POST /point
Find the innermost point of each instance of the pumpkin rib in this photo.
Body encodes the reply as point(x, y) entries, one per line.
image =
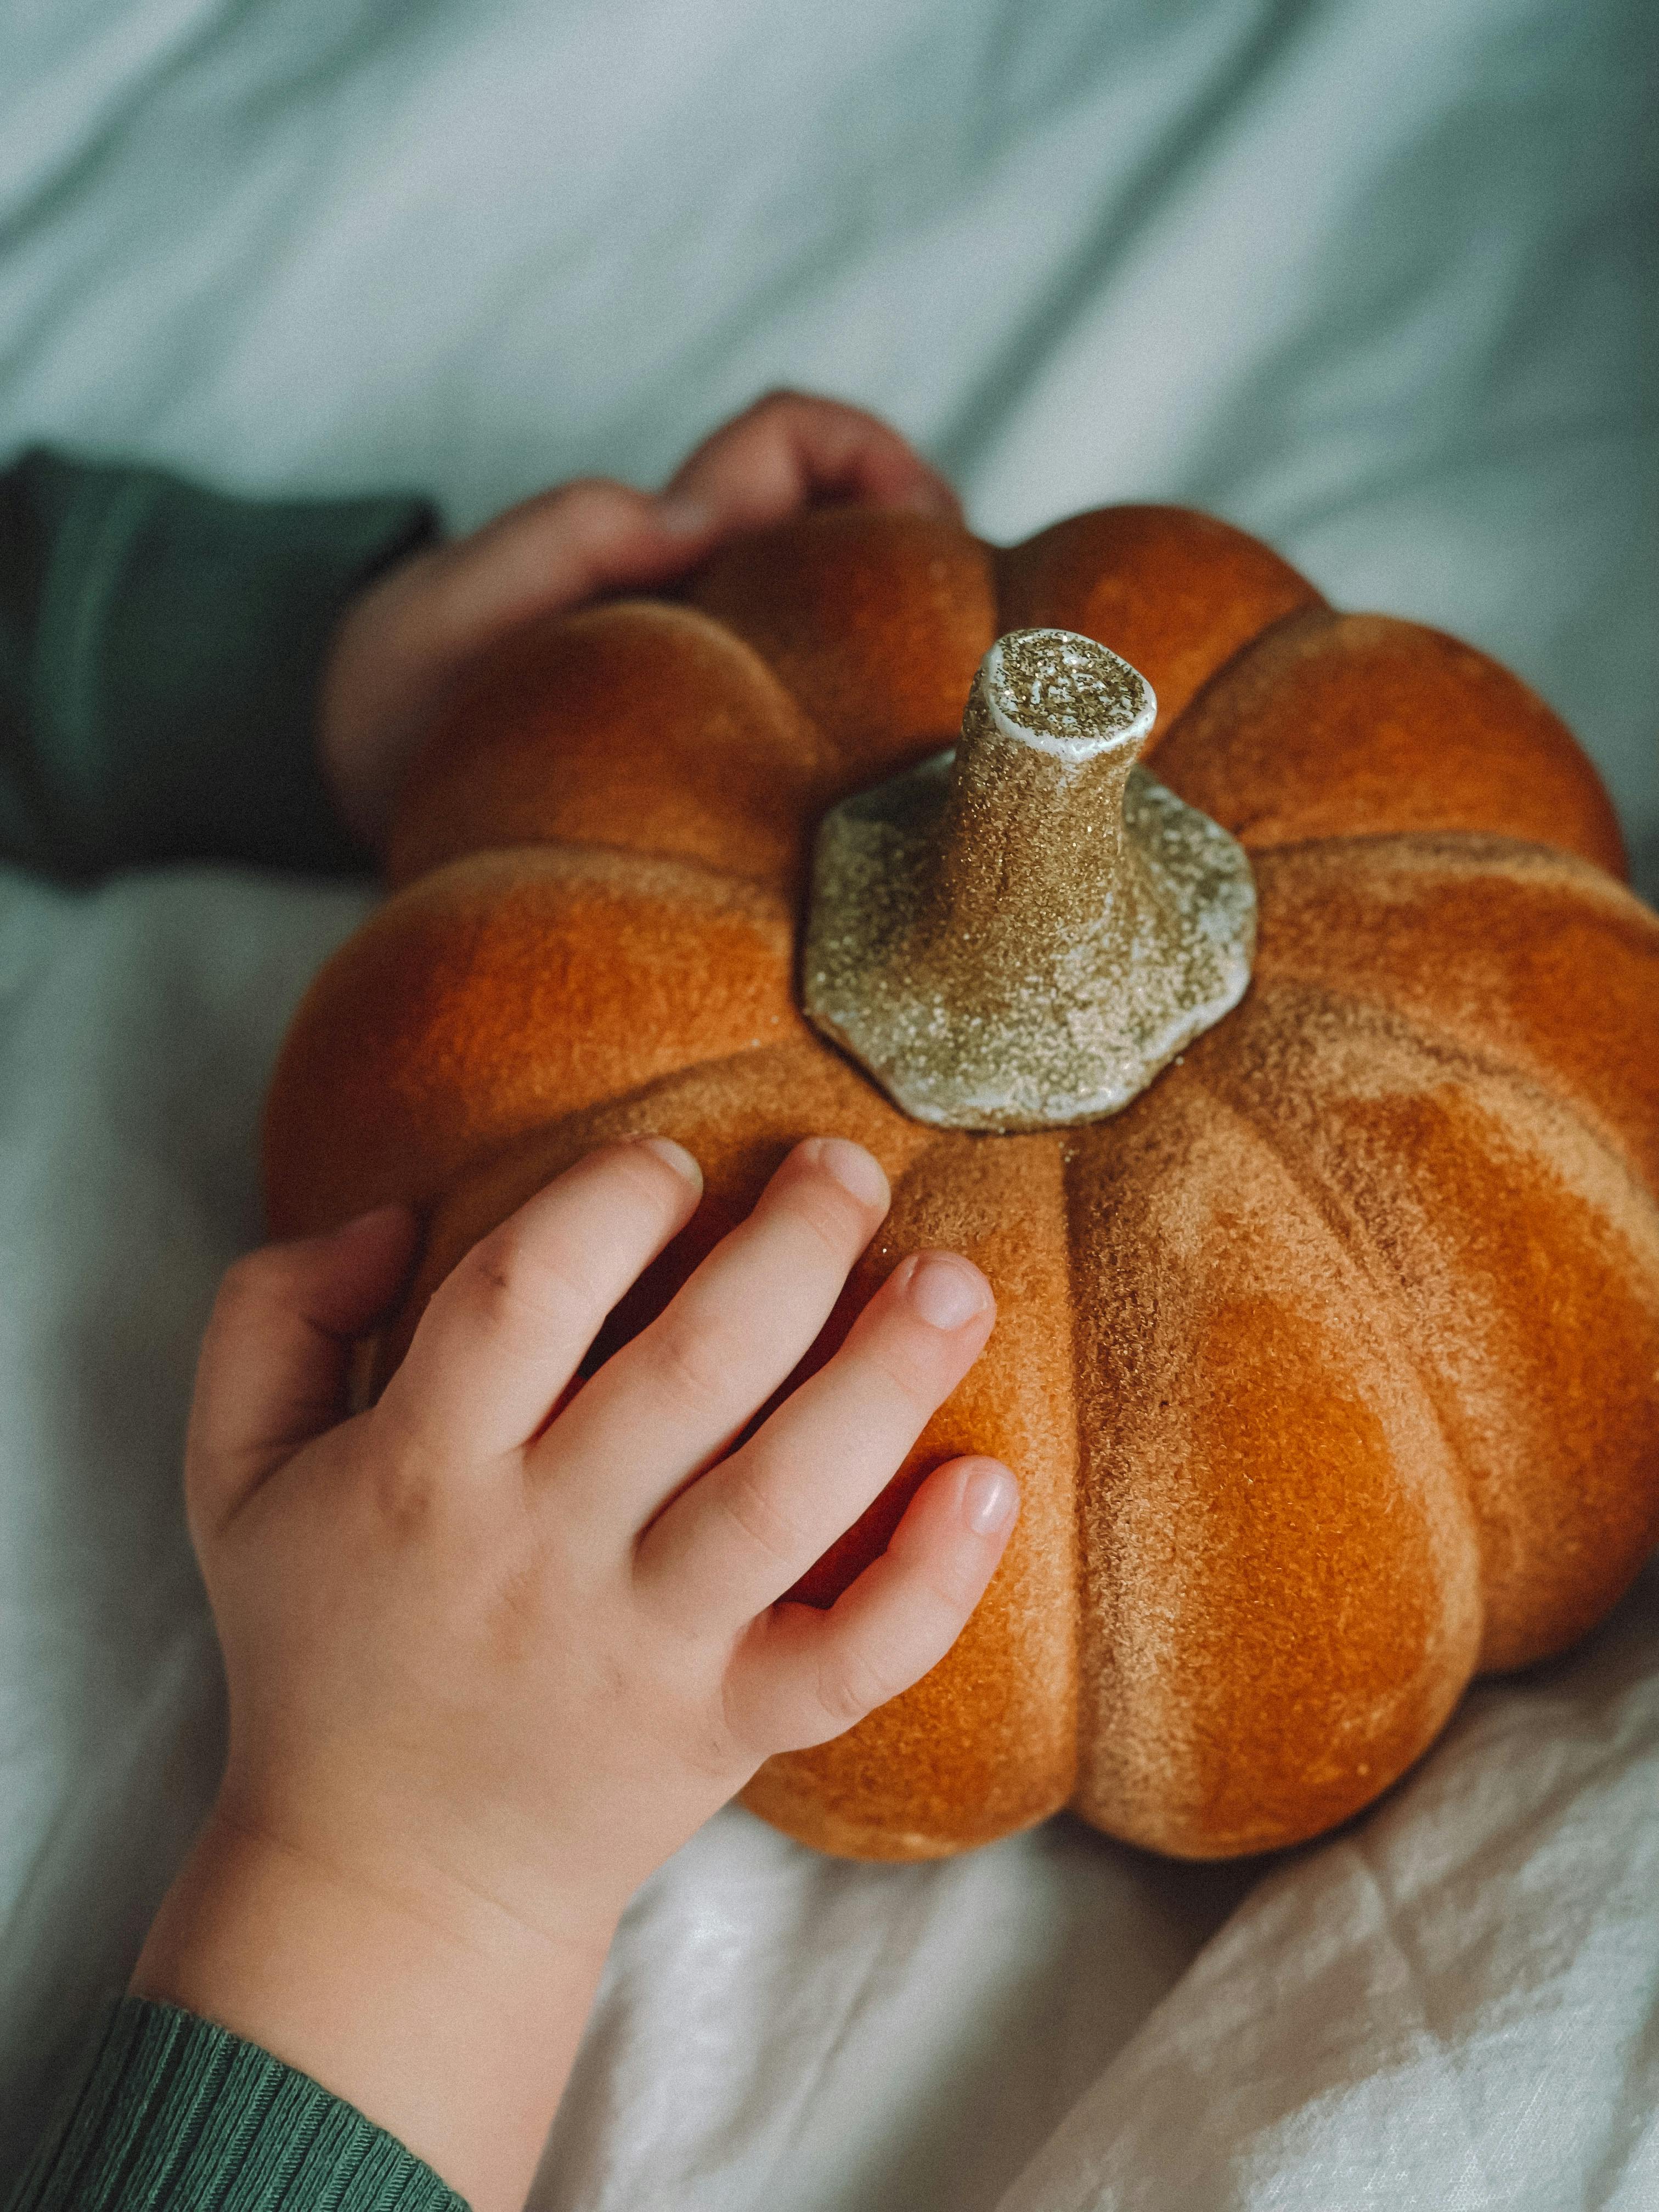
point(1539, 1590)
point(724, 768)
point(873, 620)
point(1529, 985)
point(1165, 727)
point(1457, 1049)
point(1340, 1221)
point(1610, 944)
point(1334, 723)
point(619, 967)
point(985, 1743)
point(1148, 581)
point(1202, 1310)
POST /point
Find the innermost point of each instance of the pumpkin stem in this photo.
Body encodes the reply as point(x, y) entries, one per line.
point(1022, 932)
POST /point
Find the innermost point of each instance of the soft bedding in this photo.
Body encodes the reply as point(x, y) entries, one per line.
point(1363, 277)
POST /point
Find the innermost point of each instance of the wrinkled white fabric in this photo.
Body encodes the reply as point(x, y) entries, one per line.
point(1363, 277)
point(1366, 276)
point(1454, 2004)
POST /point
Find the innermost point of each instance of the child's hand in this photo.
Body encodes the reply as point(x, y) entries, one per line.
point(410, 632)
point(488, 1670)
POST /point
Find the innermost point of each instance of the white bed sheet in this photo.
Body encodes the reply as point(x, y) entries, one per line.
point(1361, 277)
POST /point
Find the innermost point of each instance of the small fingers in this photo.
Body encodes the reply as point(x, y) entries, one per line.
point(792, 450)
point(750, 1528)
point(801, 1676)
point(506, 1331)
point(273, 1368)
point(686, 1385)
point(558, 550)
point(578, 541)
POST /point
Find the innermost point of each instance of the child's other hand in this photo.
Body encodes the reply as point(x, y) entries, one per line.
point(489, 1668)
point(409, 632)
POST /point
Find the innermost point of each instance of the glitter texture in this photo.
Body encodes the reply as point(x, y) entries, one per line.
point(1020, 933)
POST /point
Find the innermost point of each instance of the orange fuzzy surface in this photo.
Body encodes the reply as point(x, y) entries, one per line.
point(1329, 1367)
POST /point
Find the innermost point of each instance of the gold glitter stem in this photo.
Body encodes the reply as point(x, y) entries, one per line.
point(1020, 935)
point(1031, 853)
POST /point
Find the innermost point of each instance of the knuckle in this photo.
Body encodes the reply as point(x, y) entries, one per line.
point(908, 1365)
point(956, 1589)
point(747, 1504)
point(899, 1383)
point(691, 1362)
point(831, 1217)
point(736, 1728)
point(941, 1590)
point(407, 1477)
point(851, 1684)
point(511, 1287)
point(644, 1174)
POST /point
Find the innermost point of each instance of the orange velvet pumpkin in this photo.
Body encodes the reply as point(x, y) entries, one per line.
point(1329, 1367)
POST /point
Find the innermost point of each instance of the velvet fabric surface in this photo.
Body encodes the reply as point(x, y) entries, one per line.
point(1329, 1369)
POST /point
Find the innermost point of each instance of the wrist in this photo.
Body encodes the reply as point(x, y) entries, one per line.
point(441, 2017)
point(376, 695)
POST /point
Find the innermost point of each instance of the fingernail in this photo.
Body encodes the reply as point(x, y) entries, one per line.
point(683, 516)
point(944, 1291)
point(853, 1168)
point(677, 1157)
point(990, 1499)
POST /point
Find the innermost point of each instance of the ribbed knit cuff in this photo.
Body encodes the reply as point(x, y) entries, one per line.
point(180, 2116)
point(165, 645)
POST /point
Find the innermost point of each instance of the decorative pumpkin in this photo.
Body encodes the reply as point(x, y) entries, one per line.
point(1329, 1365)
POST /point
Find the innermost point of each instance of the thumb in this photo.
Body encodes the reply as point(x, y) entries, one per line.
point(275, 1359)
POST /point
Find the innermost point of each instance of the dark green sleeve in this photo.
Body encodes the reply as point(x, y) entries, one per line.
point(159, 651)
point(180, 2116)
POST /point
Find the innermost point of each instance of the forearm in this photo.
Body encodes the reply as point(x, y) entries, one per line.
point(444, 2020)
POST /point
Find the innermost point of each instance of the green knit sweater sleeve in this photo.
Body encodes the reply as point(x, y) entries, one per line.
point(161, 647)
point(180, 2116)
